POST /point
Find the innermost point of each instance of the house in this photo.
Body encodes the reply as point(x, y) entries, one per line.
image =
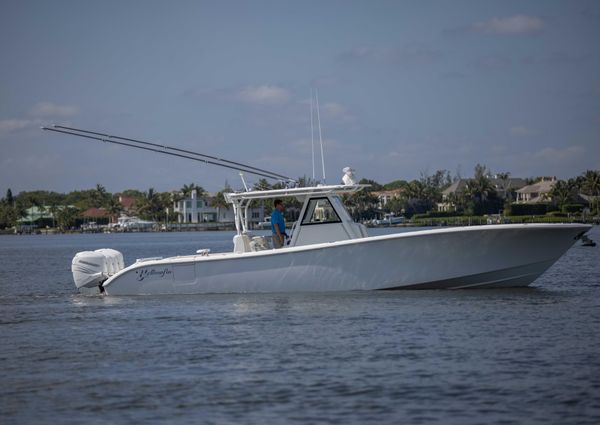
point(536, 193)
point(458, 187)
point(35, 214)
point(385, 196)
point(194, 209)
point(95, 213)
point(505, 188)
point(127, 202)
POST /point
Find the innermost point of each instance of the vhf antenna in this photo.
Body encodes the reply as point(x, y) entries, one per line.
point(312, 135)
point(320, 135)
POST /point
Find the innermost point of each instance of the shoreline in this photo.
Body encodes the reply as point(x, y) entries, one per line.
point(179, 229)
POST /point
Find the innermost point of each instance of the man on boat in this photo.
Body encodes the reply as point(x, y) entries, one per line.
point(278, 224)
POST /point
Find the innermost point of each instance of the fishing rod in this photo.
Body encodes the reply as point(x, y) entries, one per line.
point(155, 147)
point(170, 148)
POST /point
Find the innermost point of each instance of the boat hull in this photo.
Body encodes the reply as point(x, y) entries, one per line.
point(450, 258)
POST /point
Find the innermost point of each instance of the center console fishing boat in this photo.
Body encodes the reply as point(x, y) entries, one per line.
point(328, 251)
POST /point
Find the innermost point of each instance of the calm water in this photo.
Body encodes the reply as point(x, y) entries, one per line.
point(419, 357)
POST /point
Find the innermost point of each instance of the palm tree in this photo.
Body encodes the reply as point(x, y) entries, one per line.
point(99, 195)
point(174, 198)
point(591, 182)
point(562, 193)
point(505, 185)
point(187, 189)
point(591, 186)
point(54, 209)
point(219, 202)
point(153, 204)
point(113, 207)
point(67, 217)
point(480, 187)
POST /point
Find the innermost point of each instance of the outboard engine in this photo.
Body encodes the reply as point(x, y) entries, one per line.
point(91, 268)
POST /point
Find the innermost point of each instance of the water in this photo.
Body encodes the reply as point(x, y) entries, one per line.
point(421, 357)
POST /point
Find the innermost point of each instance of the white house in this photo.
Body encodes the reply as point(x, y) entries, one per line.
point(536, 193)
point(385, 196)
point(194, 209)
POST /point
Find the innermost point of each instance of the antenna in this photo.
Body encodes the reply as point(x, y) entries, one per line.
point(244, 181)
point(312, 135)
point(320, 135)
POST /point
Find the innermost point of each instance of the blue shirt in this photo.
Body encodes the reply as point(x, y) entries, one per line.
point(277, 218)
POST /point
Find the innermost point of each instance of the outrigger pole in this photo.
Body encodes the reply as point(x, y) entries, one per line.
point(167, 150)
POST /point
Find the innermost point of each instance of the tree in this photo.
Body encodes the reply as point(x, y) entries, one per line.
point(8, 215)
point(66, 218)
point(363, 204)
point(504, 179)
point(9, 197)
point(152, 205)
point(562, 193)
point(219, 202)
point(591, 183)
point(187, 190)
point(374, 185)
point(591, 187)
point(481, 194)
point(113, 207)
point(54, 209)
point(261, 184)
point(396, 184)
point(99, 196)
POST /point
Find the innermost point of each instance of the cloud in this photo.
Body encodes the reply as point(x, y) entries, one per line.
point(37, 114)
point(558, 155)
point(12, 124)
point(336, 111)
point(514, 25)
point(521, 130)
point(51, 110)
point(412, 54)
point(263, 95)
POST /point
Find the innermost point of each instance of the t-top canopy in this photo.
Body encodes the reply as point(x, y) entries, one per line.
point(297, 191)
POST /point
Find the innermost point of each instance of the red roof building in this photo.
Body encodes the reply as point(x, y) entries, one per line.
point(127, 201)
point(95, 213)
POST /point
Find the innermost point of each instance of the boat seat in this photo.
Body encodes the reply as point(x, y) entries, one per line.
point(259, 243)
point(241, 243)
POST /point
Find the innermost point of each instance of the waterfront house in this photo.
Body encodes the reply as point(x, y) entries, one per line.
point(536, 193)
point(195, 209)
point(505, 188)
point(456, 188)
point(34, 214)
point(92, 217)
point(128, 202)
point(385, 196)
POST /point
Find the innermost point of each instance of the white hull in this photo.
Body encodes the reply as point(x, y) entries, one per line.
point(466, 257)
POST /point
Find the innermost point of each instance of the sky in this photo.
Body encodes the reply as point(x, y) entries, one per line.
point(405, 88)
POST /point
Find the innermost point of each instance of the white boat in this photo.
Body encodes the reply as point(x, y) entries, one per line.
point(265, 224)
point(127, 223)
point(327, 251)
point(390, 219)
